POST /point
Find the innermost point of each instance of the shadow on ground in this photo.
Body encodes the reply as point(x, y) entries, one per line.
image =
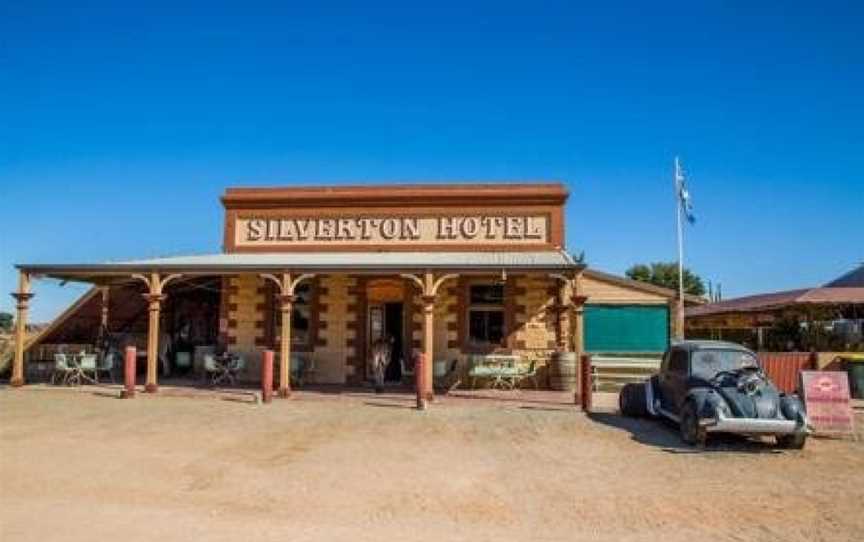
point(664, 436)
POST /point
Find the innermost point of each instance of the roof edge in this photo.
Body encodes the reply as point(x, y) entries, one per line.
point(644, 286)
point(414, 194)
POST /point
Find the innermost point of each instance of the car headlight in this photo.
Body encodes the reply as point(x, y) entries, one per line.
point(791, 407)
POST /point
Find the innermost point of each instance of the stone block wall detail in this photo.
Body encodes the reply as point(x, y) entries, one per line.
point(535, 322)
point(246, 310)
point(336, 346)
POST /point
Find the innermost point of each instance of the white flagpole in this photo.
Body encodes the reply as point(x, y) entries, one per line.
point(679, 324)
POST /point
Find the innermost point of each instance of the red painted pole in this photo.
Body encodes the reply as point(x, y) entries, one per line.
point(129, 373)
point(420, 381)
point(267, 376)
point(585, 381)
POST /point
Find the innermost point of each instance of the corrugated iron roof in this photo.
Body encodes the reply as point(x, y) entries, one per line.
point(317, 261)
point(776, 300)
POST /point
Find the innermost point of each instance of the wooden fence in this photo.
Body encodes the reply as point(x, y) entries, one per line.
point(783, 368)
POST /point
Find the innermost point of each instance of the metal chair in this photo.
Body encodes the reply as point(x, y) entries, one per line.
point(234, 368)
point(451, 380)
point(61, 368)
point(529, 374)
point(407, 370)
point(213, 369)
point(88, 366)
point(107, 364)
point(302, 367)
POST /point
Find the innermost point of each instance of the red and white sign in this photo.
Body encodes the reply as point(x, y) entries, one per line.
point(826, 395)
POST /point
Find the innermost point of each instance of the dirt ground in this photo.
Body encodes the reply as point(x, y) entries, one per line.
point(79, 466)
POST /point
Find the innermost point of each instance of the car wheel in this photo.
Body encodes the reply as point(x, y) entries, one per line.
point(691, 432)
point(632, 402)
point(795, 441)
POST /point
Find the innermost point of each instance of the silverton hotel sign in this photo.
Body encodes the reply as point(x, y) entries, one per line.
point(525, 229)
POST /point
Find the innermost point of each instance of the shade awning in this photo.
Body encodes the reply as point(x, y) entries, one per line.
point(356, 262)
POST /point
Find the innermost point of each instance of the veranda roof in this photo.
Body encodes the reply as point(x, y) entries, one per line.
point(229, 263)
point(779, 300)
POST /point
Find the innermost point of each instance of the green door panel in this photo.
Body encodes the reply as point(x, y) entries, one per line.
point(626, 328)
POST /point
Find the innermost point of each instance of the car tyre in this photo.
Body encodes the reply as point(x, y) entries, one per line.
point(632, 401)
point(795, 441)
point(691, 432)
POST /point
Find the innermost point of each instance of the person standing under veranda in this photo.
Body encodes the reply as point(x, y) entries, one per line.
point(382, 349)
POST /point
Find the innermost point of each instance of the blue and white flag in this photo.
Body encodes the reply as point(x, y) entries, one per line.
point(684, 194)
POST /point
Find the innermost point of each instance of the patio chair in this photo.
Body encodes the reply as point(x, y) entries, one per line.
point(88, 366)
point(61, 369)
point(451, 380)
point(106, 365)
point(407, 370)
point(213, 369)
point(235, 367)
point(302, 367)
point(528, 374)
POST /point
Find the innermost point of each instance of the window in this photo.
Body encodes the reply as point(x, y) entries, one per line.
point(678, 362)
point(707, 363)
point(301, 316)
point(486, 314)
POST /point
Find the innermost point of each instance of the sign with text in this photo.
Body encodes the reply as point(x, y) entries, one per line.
point(826, 396)
point(392, 230)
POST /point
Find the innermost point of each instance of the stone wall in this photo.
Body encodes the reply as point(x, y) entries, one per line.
point(534, 334)
point(534, 323)
point(337, 330)
point(246, 304)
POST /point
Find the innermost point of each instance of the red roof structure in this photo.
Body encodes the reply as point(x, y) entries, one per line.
point(779, 300)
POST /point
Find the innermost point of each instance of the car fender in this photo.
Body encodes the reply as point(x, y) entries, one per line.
point(707, 401)
point(650, 397)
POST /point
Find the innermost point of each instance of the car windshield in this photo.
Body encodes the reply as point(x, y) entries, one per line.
point(707, 363)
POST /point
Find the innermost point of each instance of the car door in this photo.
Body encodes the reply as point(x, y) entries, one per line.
point(665, 381)
point(678, 374)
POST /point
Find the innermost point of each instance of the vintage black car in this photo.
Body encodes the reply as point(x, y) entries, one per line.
point(713, 386)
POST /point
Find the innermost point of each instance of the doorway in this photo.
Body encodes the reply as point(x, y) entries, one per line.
point(388, 320)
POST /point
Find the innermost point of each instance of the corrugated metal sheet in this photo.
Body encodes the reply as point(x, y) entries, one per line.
point(767, 302)
point(369, 259)
point(783, 368)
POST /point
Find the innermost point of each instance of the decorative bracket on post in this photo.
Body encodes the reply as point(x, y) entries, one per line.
point(286, 284)
point(429, 286)
point(154, 297)
point(154, 283)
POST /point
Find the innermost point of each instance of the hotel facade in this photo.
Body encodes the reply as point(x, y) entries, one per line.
point(318, 274)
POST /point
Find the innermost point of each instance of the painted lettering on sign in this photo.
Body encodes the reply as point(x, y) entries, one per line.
point(826, 394)
point(388, 230)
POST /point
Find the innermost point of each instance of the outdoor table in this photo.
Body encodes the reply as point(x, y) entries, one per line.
point(500, 369)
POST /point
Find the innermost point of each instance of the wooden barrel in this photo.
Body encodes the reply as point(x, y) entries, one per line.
point(562, 371)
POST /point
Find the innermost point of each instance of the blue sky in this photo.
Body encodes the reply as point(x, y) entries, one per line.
point(121, 123)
